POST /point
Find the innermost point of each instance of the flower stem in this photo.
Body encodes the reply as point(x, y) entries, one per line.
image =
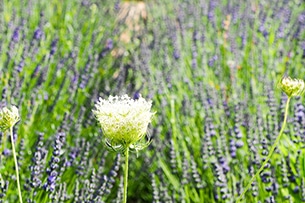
point(270, 153)
point(16, 164)
point(126, 175)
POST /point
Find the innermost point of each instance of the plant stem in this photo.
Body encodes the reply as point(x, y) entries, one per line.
point(270, 152)
point(126, 175)
point(16, 164)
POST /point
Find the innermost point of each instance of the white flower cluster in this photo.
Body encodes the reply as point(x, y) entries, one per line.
point(8, 117)
point(292, 87)
point(124, 121)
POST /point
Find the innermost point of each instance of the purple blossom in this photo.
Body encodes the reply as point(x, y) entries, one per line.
point(16, 35)
point(38, 34)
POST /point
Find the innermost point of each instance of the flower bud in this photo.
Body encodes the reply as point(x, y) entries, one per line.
point(292, 87)
point(8, 117)
point(123, 120)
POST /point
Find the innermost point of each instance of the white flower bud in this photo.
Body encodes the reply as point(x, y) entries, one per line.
point(8, 117)
point(292, 87)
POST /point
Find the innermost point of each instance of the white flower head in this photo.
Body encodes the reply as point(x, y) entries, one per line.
point(292, 87)
point(124, 121)
point(8, 117)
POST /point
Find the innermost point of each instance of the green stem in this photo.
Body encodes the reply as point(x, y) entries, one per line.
point(270, 152)
point(126, 175)
point(16, 164)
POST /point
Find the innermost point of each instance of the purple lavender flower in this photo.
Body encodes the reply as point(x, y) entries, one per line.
point(6, 152)
point(15, 36)
point(52, 170)
point(38, 34)
point(53, 47)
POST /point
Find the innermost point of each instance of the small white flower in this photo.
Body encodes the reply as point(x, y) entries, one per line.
point(8, 117)
point(124, 121)
point(292, 87)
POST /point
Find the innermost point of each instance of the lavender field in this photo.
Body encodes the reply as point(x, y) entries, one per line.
point(211, 69)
